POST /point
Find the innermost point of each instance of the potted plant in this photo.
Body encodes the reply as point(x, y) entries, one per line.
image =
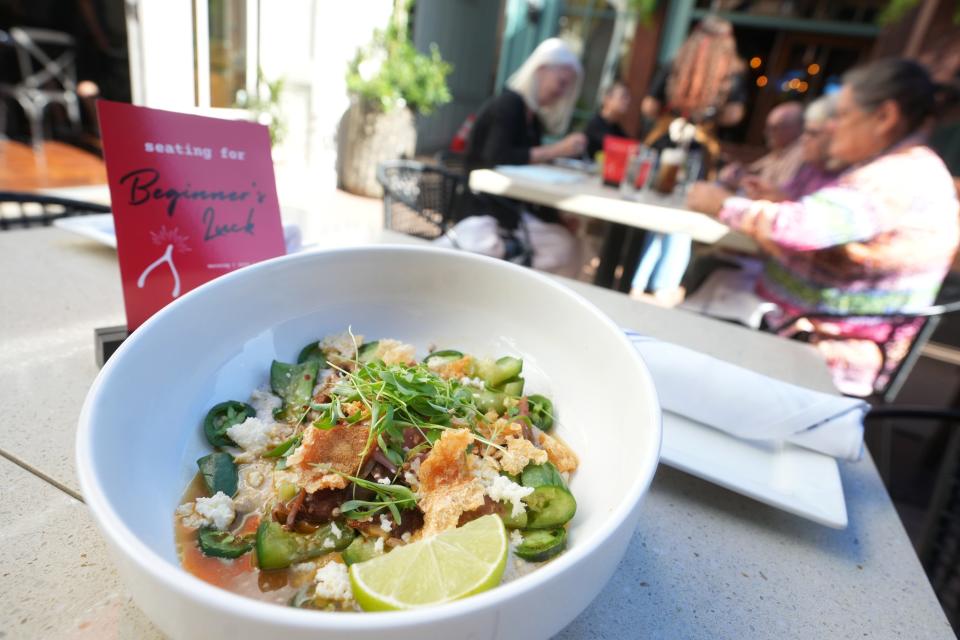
point(389, 81)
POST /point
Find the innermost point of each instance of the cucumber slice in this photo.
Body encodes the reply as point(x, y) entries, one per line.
point(551, 504)
point(542, 475)
point(367, 351)
point(360, 550)
point(312, 352)
point(538, 546)
point(541, 411)
point(487, 400)
point(496, 373)
point(278, 548)
point(223, 416)
point(549, 507)
point(219, 473)
point(222, 544)
point(513, 388)
point(294, 382)
point(446, 355)
point(506, 514)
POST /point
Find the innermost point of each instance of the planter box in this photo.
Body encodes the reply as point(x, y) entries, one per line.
point(367, 137)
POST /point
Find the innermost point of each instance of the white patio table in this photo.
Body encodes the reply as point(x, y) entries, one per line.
point(703, 562)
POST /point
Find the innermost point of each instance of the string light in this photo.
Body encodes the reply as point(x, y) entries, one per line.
point(755, 62)
point(813, 69)
point(802, 87)
point(762, 81)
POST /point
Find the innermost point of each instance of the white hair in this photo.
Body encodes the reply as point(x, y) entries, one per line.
point(820, 110)
point(550, 52)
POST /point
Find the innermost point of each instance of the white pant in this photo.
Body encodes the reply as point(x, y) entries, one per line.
point(554, 248)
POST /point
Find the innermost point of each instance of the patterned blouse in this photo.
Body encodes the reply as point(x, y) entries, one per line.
point(879, 239)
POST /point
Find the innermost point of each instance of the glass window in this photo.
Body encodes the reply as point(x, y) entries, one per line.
point(228, 51)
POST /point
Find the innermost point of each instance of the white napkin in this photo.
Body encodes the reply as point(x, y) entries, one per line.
point(749, 405)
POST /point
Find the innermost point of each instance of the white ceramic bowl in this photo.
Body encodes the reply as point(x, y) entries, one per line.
point(139, 431)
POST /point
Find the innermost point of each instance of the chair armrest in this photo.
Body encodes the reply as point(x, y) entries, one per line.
point(923, 312)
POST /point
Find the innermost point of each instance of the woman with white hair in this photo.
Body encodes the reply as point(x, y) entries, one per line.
point(818, 168)
point(538, 99)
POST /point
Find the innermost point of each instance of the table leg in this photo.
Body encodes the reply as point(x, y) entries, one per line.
point(610, 255)
point(631, 258)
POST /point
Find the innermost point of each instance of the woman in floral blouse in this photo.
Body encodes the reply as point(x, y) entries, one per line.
point(878, 240)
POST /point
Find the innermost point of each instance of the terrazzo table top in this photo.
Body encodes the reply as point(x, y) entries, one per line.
point(703, 562)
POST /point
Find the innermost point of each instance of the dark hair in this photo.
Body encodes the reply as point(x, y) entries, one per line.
point(613, 85)
point(903, 81)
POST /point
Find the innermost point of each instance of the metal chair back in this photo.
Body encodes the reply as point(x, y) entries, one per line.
point(25, 210)
point(418, 199)
point(48, 74)
point(929, 318)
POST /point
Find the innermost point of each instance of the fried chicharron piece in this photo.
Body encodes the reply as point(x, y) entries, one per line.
point(562, 456)
point(447, 486)
point(322, 451)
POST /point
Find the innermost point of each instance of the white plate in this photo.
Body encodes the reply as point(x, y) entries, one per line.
point(540, 173)
point(797, 480)
point(99, 227)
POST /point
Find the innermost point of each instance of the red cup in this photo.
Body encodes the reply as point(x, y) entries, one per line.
point(616, 154)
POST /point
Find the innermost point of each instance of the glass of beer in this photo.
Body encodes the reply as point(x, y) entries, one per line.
point(670, 162)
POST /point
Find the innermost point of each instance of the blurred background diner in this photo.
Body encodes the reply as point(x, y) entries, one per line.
point(876, 241)
point(814, 146)
point(509, 130)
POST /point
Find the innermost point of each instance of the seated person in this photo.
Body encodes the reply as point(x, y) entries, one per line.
point(818, 168)
point(723, 281)
point(779, 166)
point(539, 98)
point(878, 240)
point(606, 122)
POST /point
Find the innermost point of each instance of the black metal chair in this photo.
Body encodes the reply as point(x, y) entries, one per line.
point(48, 75)
point(25, 210)
point(886, 390)
point(929, 317)
point(419, 199)
point(938, 539)
point(452, 161)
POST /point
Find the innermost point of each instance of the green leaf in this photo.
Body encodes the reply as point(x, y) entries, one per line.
point(284, 448)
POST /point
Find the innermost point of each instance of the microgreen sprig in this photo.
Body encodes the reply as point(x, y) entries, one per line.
point(394, 497)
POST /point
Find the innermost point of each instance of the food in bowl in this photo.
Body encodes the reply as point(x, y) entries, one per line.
point(364, 479)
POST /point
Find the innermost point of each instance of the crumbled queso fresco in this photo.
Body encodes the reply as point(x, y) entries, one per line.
point(504, 489)
point(265, 403)
point(333, 582)
point(253, 435)
point(216, 510)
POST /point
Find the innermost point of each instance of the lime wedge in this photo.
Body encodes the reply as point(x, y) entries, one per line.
point(451, 565)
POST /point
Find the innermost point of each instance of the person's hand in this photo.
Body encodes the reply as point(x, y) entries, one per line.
point(756, 188)
point(730, 175)
point(573, 145)
point(707, 197)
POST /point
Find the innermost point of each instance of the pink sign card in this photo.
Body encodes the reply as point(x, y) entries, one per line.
point(192, 198)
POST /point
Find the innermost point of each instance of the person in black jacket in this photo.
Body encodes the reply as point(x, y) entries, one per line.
point(509, 130)
point(606, 122)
